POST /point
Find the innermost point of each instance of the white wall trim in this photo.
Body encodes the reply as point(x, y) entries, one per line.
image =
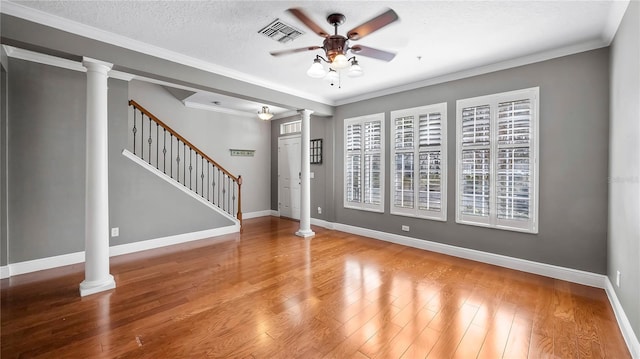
point(623, 322)
point(265, 213)
point(78, 257)
point(547, 270)
point(322, 223)
point(171, 240)
point(176, 184)
point(4, 272)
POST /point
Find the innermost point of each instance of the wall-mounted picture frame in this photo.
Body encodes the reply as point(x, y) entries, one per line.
point(316, 152)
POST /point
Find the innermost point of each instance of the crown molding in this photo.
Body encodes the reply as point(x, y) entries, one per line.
point(481, 70)
point(60, 23)
point(219, 109)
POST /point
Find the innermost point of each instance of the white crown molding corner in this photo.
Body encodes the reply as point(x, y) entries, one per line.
point(618, 9)
point(60, 23)
point(547, 270)
point(175, 184)
point(175, 239)
point(5, 272)
point(44, 59)
point(623, 321)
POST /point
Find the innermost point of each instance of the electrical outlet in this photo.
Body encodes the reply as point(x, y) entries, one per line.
point(115, 231)
point(319, 210)
point(618, 279)
point(405, 228)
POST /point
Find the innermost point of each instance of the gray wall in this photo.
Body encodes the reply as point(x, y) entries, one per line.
point(3, 158)
point(215, 133)
point(624, 167)
point(321, 128)
point(46, 170)
point(46, 160)
point(574, 102)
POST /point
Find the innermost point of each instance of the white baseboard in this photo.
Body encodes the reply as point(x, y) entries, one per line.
point(265, 213)
point(4, 272)
point(170, 240)
point(322, 223)
point(547, 270)
point(45, 263)
point(78, 257)
point(623, 322)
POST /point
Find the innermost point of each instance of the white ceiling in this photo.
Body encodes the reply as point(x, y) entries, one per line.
point(432, 39)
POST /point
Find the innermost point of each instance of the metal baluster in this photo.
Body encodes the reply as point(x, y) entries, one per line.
point(190, 168)
point(233, 199)
point(149, 159)
point(164, 151)
point(201, 176)
point(142, 136)
point(171, 154)
point(208, 190)
point(134, 130)
point(196, 190)
point(184, 164)
point(157, 147)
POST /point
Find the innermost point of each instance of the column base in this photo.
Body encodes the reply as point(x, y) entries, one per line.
point(92, 287)
point(305, 233)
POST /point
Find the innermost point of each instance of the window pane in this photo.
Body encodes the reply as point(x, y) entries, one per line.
point(353, 181)
point(403, 189)
point(430, 129)
point(475, 182)
point(513, 186)
point(372, 183)
point(404, 132)
point(430, 192)
point(353, 138)
point(475, 125)
point(514, 122)
point(372, 136)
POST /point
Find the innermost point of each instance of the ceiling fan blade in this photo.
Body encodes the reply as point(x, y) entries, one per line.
point(308, 22)
point(293, 51)
point(372, 25)
point(374, 53)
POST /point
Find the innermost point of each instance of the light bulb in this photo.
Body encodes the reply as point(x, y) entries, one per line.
point(316, 70)
point(355, 70)
point(332, 77)
point(339, 62)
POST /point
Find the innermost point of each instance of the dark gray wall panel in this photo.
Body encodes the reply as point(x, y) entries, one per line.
point(574, 102)
point(46, 161)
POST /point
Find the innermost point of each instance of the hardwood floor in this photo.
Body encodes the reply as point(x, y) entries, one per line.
point(266, 293)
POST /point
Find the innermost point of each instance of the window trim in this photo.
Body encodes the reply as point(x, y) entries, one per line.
point(416, 211)
point(379, 208)
point(492, 221)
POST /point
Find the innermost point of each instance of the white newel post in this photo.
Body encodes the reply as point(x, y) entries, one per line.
point(96, 273)
point(305, 183)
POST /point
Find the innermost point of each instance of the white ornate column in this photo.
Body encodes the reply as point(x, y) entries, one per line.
point(305, 184)
point(96, 272)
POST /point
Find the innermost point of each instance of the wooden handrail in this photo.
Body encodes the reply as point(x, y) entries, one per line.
point(237, 180)
point(189, 144)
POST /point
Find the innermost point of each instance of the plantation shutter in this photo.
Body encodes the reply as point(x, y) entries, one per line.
point(476, 161)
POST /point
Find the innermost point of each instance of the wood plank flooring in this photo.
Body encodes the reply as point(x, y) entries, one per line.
point(266, 293)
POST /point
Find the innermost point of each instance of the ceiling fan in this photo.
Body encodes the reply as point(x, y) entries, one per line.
point(336, 46)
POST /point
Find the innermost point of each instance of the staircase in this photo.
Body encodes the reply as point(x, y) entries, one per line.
point(163, 148)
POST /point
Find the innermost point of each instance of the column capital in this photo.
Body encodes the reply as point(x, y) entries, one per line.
point(96, 65)
point(304, 112)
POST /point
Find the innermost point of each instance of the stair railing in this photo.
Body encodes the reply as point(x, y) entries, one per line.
point(162, 147)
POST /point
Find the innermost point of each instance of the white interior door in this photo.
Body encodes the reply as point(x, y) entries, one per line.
point(289, 176)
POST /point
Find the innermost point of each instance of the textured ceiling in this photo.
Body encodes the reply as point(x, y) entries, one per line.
point(432, 38)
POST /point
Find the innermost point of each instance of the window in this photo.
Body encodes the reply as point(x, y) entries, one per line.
point(419, 168)
point(364, 163)
point(291, 127)
point(497, 161)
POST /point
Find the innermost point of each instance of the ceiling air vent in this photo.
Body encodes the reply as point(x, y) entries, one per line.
point(280, 31)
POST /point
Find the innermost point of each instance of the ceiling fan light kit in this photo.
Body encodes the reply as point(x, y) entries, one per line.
point(337, 46)
point(264, 114)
